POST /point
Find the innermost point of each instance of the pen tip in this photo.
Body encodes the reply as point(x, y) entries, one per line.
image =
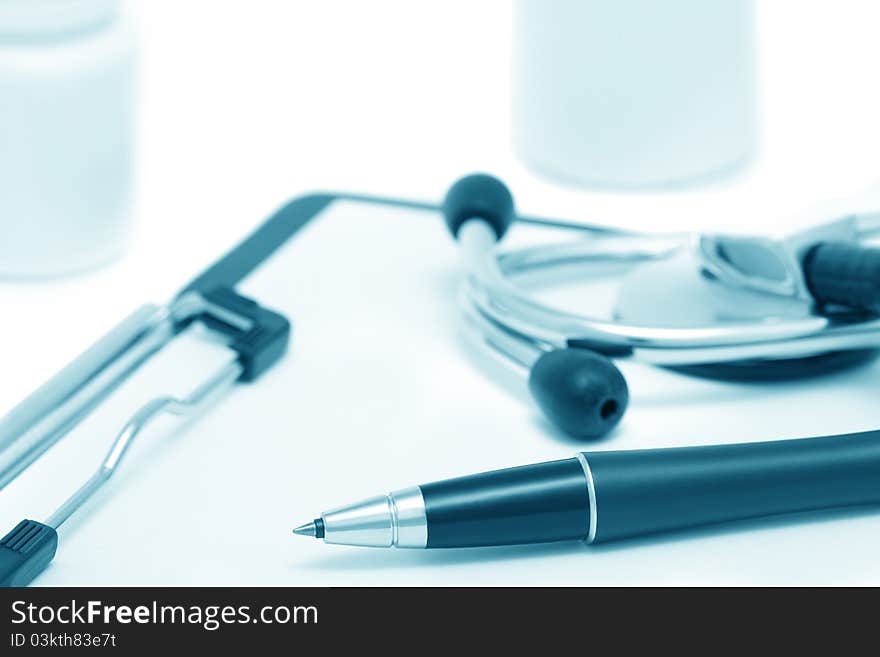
point(313, 529)
point(307, 529)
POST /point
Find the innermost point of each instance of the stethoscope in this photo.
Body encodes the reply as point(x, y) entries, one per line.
point(728, 306)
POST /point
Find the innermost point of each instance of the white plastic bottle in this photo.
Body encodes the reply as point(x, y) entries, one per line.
point(66, 104)
point(634, 93)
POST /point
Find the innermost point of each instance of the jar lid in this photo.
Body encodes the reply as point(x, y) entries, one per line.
point(43, 17)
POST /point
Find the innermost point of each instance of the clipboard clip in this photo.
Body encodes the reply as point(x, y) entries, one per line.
point(257, 335)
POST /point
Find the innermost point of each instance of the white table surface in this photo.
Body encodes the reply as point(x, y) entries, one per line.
point(244, 106)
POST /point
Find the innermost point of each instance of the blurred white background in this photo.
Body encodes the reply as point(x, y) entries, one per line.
point(243, 105)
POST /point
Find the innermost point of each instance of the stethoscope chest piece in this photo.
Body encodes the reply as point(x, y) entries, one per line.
point(677, 292)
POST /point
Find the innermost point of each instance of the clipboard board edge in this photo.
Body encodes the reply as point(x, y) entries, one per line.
point(291, 217)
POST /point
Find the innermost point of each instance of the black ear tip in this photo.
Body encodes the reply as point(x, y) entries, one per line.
point(479, 196)
point(580, 391)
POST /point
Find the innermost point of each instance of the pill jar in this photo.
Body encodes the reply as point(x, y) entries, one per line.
point(634, 93)
point(66, 104)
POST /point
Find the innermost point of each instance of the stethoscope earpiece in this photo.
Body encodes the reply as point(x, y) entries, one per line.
point(580, 391)
point(479, 196)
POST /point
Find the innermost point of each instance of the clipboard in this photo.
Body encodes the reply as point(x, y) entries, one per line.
point(367, 383)
point(257, 336)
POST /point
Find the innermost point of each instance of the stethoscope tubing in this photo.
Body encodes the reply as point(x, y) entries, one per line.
point(522, 328)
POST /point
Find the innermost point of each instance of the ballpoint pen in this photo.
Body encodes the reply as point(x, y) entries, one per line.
point(608, 495)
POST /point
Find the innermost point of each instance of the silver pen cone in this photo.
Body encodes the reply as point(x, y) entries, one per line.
point(308, 529)
point(397, 519)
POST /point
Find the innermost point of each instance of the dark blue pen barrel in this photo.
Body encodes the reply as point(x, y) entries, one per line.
point(529, 504)
point(646, 491)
